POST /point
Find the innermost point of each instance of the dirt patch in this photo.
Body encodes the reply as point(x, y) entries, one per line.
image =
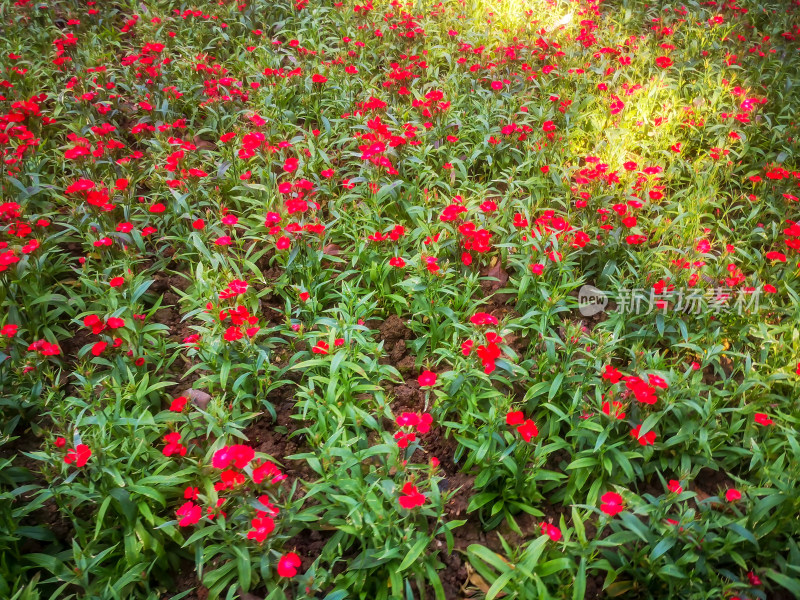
point(594, 587)
point(709, 483)
point(454, 574)
point(392, 330)
point(49, 517)
point(277, 439)
point(186, 579)
point(496, 278)
point(308, 545)
point(394, 334)
point(713, 482)
point(408, 397)
point(169, 314)
point(24, 441)
point(78, 339)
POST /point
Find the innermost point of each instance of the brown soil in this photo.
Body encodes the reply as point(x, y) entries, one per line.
point(186, 579)
point(709, 483)
point(497, 277)
point(394, 334)
point(169, 314)
point(48, 515)
point(308, 545)
point(277, 438)
point(79, 337)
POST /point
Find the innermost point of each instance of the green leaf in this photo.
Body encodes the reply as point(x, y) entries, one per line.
point(555, 386)
point(498, 585)
point(636, 526)
point(243, 566)
point(661, 547)
point(415, 551)
point(100, 514)
point(484, 554)
point(582, 463)
point(579, 589)
point(735, 527)
point(790, 583)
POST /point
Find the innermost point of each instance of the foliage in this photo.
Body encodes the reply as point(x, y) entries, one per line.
point(293, 299)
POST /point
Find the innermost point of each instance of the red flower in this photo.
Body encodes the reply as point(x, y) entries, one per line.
point(411, 497)
point(617, 406)
point(427, 379)
point(116, 281)
point(317, 78)
point(98, 348)
point(267, 470)
point(178, 404)
point(115, 322)
point(612, 503)
point(321, 348)
point(753, 578)
point(553, 532)
point(779, 256)
point(403, 439)
point(611, 374)
point(261, 529)
point(397, 262)
point(657, 381)
point(664, 62)
point(173, 444)
point(732, 495)
point(635, 240)
point(482, 318)
point(191, 514)
point(95, 323)
point(763, 419)
point(288, 565)
point(528, 430)
point(425, 422)
point(675, 486)
point(647, 439)
point(515, 418)
point(488, 355)
point(643, 392)
point(79, 455)
point(239, 454)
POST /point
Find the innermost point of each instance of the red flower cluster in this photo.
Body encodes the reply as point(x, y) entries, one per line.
point(411, 497)
point(79, 456)
point(410, 421)
point(525, 427)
